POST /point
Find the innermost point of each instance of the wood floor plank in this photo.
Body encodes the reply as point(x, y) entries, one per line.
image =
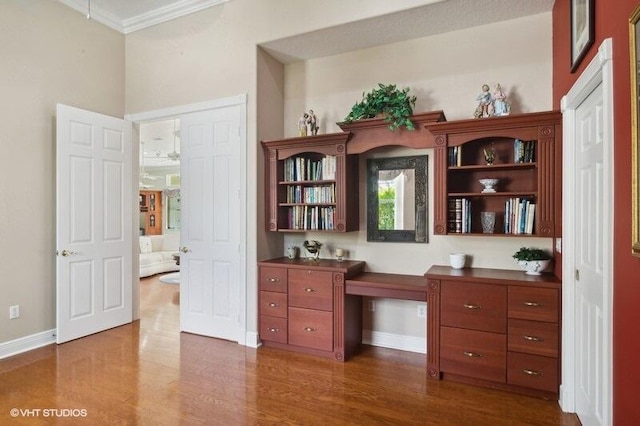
point(150, 373)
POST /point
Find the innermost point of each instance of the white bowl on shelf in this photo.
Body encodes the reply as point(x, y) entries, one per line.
point(488, 184)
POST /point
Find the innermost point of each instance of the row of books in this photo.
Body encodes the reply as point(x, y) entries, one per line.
point(459, 215)
point(305, 169)
point(313, 218)
point(524, 151)
point(519, 215)
point(311, 194)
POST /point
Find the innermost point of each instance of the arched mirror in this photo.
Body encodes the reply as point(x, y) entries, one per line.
point(634, 38)
point(397, 199)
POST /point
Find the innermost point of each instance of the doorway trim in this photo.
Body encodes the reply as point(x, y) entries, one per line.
point(171, 112)
point(599, 71)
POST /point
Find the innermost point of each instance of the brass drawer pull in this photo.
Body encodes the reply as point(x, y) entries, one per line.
point(274, 330)
point(532, 372)
point(470, 306)
point(310, 290)
point(472, 354)
point(532, 304)
point(533, 338)
point(273, 305)
point(274, 280)
point(309, 329)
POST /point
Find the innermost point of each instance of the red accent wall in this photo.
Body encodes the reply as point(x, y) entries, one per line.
point(612, 21)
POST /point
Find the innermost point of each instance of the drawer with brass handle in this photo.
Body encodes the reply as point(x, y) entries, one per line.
point(534, 337)
point(311, 328)
point(273, 304)
point(532, 303)
point(532, 371)
point(273, 279)
point(474, 306)
point(273, 329)
point(473, 353)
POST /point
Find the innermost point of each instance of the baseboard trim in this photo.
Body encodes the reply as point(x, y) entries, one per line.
point(394, 341)
point(252, 340)
point(27, 343)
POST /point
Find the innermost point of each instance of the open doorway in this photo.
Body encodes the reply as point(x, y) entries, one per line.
point(159, 201)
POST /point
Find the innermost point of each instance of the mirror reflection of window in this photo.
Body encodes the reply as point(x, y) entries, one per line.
point(396, 196)
point(173, 210)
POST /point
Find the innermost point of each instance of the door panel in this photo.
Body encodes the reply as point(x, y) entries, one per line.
point(93, 225)
point(211, 173)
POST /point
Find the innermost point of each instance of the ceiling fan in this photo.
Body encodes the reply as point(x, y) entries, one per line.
point(174, 155)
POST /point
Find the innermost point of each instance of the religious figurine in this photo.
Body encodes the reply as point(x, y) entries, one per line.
point(500, 105)
point(485, 106)
point(312, 121)
point(302, 124)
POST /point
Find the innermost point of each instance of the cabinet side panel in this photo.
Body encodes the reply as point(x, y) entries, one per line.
point(440, 201)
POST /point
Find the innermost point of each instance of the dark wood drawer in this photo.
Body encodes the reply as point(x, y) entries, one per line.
point(273, 279)
point(472, 353)
point(311, 289)
point(273, 304)
point(474, 306)
point(533, 371)
point(311, 329)
point(540, 338)
point(273, 329)
point(531, 303)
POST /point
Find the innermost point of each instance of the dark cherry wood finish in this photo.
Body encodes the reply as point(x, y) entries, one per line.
point(531, 180)
point(393, 286)
point(346, 180)
point(321, 319)
point(496, 328)
point(373, 133)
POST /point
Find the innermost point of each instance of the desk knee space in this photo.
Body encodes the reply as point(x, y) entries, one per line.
point(393, 286)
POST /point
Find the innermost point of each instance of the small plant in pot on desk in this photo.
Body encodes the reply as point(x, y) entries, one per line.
point(532, 260)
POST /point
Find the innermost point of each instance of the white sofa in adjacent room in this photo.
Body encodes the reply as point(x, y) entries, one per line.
point(156, 253)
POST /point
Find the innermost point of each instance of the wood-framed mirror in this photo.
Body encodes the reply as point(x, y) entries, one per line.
point(397, 199)
point(634, 40)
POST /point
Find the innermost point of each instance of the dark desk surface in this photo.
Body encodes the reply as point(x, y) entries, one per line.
point(394, 286)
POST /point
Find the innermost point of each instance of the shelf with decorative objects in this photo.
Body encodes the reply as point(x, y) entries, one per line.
point(505, 165)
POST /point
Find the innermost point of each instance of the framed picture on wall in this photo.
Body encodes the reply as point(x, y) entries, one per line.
point(582, 30)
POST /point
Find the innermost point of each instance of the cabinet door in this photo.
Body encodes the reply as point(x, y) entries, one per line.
point(474, 306)
point(473, 353)
point(310, 328)
point(311, 289)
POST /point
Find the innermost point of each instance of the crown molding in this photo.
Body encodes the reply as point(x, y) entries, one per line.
point(145, 20)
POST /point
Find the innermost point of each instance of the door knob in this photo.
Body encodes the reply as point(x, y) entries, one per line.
point(66, 253)
point(185, 249)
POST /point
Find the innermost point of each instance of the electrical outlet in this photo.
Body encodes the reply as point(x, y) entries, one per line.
point(372, 305)
point(14, 311)
point(422, 310)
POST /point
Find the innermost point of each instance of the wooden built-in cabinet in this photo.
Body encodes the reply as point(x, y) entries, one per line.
point(525, 166)
point(311, 184)
point(493, 327)
point(150, 212)
point(303, 306)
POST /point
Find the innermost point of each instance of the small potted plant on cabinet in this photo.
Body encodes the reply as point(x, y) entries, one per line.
point(395, 105)
point(532, 260)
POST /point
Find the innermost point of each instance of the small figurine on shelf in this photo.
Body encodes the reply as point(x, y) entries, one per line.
point(485, 106)
point(302, 124)
point(489, 155)
point(500, 104)
point(312, 121)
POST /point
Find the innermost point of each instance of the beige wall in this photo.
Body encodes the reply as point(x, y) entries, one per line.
point(50, 54)
point(446, 73)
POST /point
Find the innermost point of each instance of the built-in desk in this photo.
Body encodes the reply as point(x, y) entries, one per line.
point(392, 286)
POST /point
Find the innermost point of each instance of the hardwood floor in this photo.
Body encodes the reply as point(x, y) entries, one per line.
point(149, 373)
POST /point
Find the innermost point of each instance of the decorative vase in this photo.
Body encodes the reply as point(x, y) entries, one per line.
point(488, 220)
point(534, 267)
point(488, 184)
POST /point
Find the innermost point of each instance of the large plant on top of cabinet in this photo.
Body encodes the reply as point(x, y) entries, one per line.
point(524, 147)
point(311, 184)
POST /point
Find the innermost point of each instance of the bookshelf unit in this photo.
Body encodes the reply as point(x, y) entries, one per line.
point(150, 212)
point(311, 184)
point(524, 164)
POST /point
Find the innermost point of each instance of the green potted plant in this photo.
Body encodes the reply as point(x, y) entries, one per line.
point(396, 105)
point(532, 260)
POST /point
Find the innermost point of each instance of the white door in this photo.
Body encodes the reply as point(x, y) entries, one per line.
point(593, 213)
point(93, 222)
point(211, 175)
